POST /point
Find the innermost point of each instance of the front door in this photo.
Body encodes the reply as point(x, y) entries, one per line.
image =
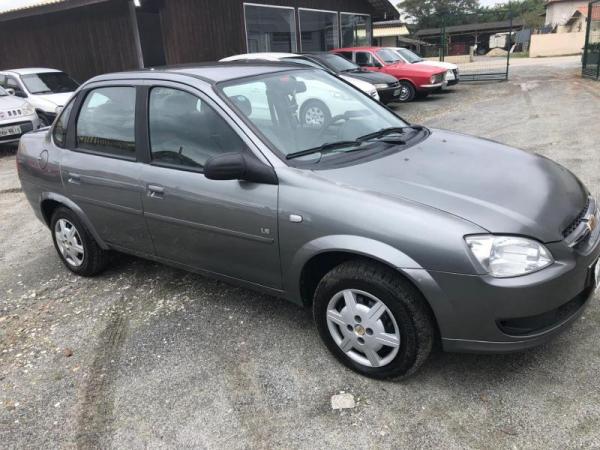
point(224, 227)
point(101, 173)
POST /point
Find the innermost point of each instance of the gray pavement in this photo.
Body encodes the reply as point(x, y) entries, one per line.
point(149, 356)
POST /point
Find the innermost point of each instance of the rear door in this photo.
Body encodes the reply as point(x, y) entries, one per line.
point(224, 227)
point(101, 172)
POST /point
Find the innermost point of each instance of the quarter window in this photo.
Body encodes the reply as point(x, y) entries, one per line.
point(185, 132)
point(60, 128)
point(106, 122)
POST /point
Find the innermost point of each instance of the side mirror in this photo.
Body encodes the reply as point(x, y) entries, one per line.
point(239, 166)
point(10, 91)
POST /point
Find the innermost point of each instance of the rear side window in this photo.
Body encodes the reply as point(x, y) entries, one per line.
point(185, 132)
point(60, 128)
point(106, 122)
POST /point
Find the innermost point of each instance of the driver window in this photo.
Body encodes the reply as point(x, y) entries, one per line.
point(185, 132)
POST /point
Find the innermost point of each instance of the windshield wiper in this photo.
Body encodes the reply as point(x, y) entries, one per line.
point(392, 130)
point(324, 148)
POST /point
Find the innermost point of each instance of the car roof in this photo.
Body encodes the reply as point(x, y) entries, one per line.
point(358, 49)
point(30, 70)
point(209, 72)
point(260, 55)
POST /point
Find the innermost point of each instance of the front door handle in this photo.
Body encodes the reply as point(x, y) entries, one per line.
point(156, 191)
point(74, 178)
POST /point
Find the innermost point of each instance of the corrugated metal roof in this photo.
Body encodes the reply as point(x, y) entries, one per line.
point(388, 11)
point(14, 5)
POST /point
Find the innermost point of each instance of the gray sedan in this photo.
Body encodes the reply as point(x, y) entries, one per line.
point(397, 236)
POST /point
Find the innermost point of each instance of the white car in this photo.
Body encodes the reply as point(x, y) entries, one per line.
point(452, 74)
point(16, 118)
point(368, 88)
point(47, 90)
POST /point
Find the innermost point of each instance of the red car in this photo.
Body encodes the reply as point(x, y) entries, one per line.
point(414, 79)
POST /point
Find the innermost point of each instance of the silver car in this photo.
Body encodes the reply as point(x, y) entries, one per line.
point(396, 235)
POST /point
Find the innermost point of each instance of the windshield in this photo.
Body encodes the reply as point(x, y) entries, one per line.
point(307, 109)
point(337, 63)
point(388, 56)
point(409, 56)
point(3, 93)
point(49, 83)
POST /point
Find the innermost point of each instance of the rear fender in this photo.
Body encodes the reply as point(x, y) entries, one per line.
point(77, 210)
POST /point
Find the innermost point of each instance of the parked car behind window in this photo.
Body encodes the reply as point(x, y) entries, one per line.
point(106, 122)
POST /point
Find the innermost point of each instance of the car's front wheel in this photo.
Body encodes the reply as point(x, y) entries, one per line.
point(75, 245)
point(373, 320)
point(407, 92)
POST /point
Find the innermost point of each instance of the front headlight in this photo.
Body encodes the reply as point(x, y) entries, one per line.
point(381, 86)
point(509, 256)
point(27, 110)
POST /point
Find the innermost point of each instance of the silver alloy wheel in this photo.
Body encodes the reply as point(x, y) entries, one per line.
point(314, 117)
point(363, 327)
point(404, 93)
point(69, 242)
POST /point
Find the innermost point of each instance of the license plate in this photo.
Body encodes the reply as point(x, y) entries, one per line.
point(7, 131)
point(396, 92)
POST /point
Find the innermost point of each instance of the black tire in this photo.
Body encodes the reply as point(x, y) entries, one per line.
point(407, 92)
point(317, 105)
point(95, 258)
point(411, 313)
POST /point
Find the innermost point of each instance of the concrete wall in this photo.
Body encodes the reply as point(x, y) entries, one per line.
point(557, 13)
point(556, 44)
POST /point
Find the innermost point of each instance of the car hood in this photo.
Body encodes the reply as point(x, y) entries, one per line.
point(55, 99)
point(423, 69)
point(443, 65)
point(360, 84)
point(499, 188)
point(10, 102)
point(371, 77)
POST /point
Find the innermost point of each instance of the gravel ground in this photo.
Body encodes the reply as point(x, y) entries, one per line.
point(148, 356)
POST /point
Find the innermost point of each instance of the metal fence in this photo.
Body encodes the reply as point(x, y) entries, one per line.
point(481, 49)
point(591, 51)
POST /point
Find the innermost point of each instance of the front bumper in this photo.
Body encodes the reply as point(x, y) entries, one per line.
point(482, 314)
point(26, 125)
point(390, 94)
point(430, 87)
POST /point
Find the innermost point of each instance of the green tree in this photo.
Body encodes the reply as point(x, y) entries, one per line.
point(435, 13)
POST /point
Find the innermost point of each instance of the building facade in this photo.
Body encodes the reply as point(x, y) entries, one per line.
point(89, 37)
point(558, 12)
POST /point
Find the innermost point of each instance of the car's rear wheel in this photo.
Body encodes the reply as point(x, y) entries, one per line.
point(75, 245)
point(407, 92)
point(373, 320)
point(315, 114)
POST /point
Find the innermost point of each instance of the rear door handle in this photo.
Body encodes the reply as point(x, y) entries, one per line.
point(74, 178)
point(156, 191)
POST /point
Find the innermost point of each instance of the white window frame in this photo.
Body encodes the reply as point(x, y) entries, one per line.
point(294, 23)
point(337, 14)
point(347, 13)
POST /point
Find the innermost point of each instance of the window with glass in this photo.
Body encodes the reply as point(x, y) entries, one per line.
point(319, 30)
point(60, 128)
point(49, 83)
point(185, 132)
point(270, 28)
point(305, 110)
point(356, 29)
point(106, 122)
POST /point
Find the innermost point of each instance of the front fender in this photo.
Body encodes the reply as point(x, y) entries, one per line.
point(358, 245)
point(77, 210)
